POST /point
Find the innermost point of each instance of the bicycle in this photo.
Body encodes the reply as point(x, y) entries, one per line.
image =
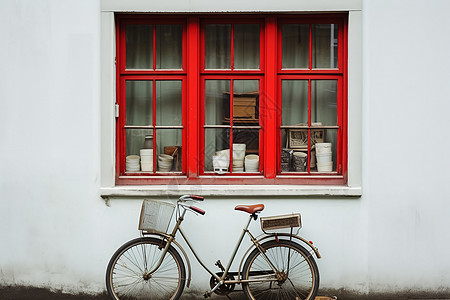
point(276, 266)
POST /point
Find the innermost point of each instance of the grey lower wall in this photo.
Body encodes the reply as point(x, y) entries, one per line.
point(56, 231)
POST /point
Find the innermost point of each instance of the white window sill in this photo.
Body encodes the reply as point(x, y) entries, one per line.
point(230, 190)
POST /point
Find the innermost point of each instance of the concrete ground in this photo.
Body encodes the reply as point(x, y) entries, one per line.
point(29, 293)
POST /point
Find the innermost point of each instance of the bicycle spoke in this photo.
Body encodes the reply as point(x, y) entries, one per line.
point(295, 278)
point(130, 279)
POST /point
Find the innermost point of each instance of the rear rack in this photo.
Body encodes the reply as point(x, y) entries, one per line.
point(280, 222)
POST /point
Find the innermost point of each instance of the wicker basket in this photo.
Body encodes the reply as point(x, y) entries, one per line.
point(280, 222)
point(155, 216)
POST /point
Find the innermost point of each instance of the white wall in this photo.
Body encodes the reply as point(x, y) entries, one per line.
point(406, 101)
point(57, 232)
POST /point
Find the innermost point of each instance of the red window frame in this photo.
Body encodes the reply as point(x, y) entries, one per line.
point(270, 76)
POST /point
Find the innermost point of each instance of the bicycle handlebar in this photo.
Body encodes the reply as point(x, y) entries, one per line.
point(191, 197)
point(185, 198)
point(197, 210)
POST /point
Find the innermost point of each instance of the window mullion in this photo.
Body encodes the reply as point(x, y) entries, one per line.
point(232, 47)
point(154, 47)
point(269, 100)
point(309, 124)
point(193, 123)
point(310, 47)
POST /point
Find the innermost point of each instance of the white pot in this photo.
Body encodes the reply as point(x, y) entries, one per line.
point(146, 158)
point(252, 163)
point(239, 151)
point(325, 167)
point(323, 157)
point(238, 163)
point(323, 148)
point(146, 152)
point(146, 166)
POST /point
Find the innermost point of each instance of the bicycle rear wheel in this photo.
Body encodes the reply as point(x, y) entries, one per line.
point(127, 274)
point(297, 278)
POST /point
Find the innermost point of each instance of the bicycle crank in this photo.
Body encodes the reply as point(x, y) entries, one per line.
point(225, 288)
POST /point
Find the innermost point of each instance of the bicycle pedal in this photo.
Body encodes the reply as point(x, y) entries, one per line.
point(207, 294)
point(219, 264)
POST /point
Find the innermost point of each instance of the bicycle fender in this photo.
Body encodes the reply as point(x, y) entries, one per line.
point(274, 236)
point(178, 247)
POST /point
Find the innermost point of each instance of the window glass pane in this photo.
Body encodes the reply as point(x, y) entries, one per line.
point(246, 101)
point(217, 105)
point(245, 150)
point(135, 141)
point(246, 46)
point(169, 46)
point(295, 46)
point(168, 148)
point(217, 150)
point(324, 102)
point(139, 44)
point(218, 46)
point(324, 155)
point(294, 160)
point(139, 106)
point(325, 46)
point(168, 103)
point(294, 153)
point(294, 99)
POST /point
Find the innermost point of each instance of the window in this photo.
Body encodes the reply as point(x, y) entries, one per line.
point(233, 99)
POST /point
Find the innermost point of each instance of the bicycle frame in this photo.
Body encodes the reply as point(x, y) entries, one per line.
point(221, 280)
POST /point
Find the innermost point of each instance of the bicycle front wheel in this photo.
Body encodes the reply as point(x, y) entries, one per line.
point(127, 274)
point(297, 275)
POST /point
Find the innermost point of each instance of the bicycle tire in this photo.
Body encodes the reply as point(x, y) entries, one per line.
point(126, 274)
point(300, 280)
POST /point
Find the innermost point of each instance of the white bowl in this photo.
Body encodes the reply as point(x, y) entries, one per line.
point(132, 166)
point(165, 157)
point(131, 158)
point(137, 169)
point(165, 165)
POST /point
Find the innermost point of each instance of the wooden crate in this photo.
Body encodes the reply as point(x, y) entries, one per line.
point(245, 105)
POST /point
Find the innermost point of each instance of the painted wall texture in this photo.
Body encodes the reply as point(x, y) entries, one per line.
point(56, 231)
